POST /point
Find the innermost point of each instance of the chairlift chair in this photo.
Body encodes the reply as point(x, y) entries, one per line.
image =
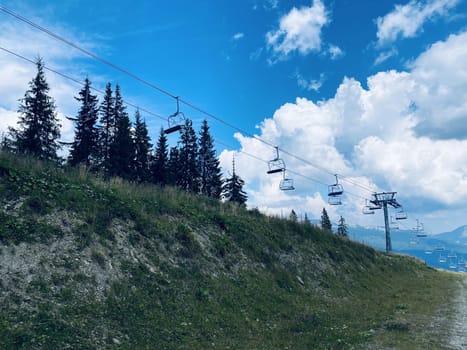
point(393, 224)
point(276, 165)
point(367, 209)
point(419, 230)
point(176, 120)
point(334, 200)
point(401, 215)
point(374, 205)
point(335, 189)
point(286, 184)
point(335, 192)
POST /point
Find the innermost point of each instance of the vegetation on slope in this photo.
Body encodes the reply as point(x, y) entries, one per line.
point(86, 264)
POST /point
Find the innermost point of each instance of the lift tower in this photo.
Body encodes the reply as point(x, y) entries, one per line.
point(382, 200)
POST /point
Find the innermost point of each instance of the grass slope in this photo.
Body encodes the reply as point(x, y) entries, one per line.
point(86, 264)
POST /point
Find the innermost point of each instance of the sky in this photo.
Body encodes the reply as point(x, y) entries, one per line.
point(373, 91)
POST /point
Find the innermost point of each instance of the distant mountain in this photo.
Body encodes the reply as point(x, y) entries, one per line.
point(446, 250)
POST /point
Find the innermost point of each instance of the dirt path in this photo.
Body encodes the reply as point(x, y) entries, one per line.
point(458, 334)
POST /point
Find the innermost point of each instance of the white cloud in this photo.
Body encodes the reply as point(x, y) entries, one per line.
point(16, 72)
point(406, 21)
point(299, 30)
point(238, 36)
point(335, 52)
point(384, 56)
point(309, 84)
point(404, 132)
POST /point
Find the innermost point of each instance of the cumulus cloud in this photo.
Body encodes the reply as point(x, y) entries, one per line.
point(403, 132)
point(27, 42)
point(406, 21)
point(299, 30)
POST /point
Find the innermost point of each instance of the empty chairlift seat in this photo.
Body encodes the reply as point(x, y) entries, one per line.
point(175, 121)
point(335, 192)
point(276, 165)
point(286, 184)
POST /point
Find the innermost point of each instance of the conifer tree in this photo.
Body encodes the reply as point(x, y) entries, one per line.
point(189, 165)
point(142, 145)
point(160, 161)
point(85, 145)
point(173, 167)
point(306, 220)
point(325, 222)
point(122, 150)
point(107, 130)
point(342, 230)
point(233, 188)
point(39, 129)
point(210, 172)
point(293, 216)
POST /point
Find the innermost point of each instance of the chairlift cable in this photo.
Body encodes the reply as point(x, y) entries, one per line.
point(81, 83)
point(163, 91)
point(153, 86)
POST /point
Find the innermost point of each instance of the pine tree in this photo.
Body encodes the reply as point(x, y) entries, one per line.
point(210, 172)
point(293, 216)
point(107, 131)
point(233, 188)
point(325, 222)
point(189, 165)
point(342, 230)
point(85, 145)
point(160, 161)
point(142, 144)
point(306, 220)
point(173, 167)
point(122, 150)
point(39, 129)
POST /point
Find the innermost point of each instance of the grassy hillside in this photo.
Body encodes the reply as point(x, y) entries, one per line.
point(86, 264)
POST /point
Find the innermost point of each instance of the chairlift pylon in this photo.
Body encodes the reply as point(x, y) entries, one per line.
point(175, 120)
point(276, 165)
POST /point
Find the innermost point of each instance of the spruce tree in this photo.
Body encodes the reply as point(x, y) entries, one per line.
point(85, 145)
point(342, 230)
point(107, 130)
point(233, 188)
point(142, 146)
point(173, 167)
point(122, 150)
point(39, 129)
point(293, 216)
point(306, 220)
point(189, 164)
point(160, 161)
point(210, 172)
point(325, 222)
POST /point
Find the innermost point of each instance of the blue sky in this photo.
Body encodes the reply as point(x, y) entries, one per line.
point(374, 91)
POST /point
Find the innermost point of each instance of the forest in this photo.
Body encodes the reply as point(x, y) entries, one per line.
point(109, 144)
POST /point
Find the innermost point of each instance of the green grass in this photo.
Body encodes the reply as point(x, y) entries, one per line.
point(194, 273)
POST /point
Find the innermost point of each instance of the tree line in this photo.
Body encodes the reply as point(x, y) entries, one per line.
point(108, 143)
